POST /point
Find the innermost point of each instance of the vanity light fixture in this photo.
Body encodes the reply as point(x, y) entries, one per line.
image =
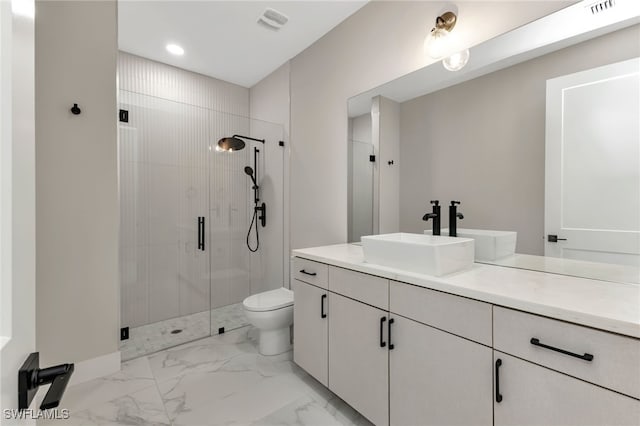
point(437, 43)
point(174, 49)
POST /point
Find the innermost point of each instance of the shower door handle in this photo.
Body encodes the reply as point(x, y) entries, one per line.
point(201, 233)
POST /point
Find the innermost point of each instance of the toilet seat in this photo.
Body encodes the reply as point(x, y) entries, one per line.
point(269, 300)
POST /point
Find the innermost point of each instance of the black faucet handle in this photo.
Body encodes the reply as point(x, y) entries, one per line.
point(435, 202)
point(453, 203)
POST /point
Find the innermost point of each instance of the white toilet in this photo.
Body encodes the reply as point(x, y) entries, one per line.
point(271, 312)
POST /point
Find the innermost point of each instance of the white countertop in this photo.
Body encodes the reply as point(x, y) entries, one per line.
point(603, 305)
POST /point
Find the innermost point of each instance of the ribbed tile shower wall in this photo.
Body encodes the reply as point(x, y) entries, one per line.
point(140, 75)
point(164, 180)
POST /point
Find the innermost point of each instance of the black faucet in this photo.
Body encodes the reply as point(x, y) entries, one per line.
point(454, 215)
point(435, 215)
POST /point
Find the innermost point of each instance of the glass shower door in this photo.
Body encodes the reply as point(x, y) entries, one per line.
point(165, 290)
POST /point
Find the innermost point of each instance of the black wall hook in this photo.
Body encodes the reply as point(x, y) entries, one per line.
point(75, 109)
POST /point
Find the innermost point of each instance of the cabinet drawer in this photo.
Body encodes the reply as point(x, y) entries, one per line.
point(465, 317)
point(311, 272)
point(614, 362)
point(536, 396)
point(362, 287)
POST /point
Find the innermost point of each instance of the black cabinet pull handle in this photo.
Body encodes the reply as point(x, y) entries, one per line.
point(382, 342)
point(586, 356)
point(498, 394)
point(391, 345)
point(322, 313)
point(313, 274)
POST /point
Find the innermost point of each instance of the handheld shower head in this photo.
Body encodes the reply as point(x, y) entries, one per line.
point(249, 171)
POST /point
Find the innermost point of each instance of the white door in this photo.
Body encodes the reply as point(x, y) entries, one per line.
point(436, 378)
point(534, 395)
point(17, 202)
point(359, 357)
point(592, 183)
point(310, 330)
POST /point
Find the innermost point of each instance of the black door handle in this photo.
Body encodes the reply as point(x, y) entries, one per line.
point(498, 394)
point(536, 342)
point(554, 238)
point(322, 313)
point(391, 345)
point(382, 342)
point(313, 274)
point(203, 233)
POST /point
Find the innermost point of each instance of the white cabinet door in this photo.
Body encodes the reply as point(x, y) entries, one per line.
point(358, 357)
point(534, 395)
point(310, 328)
point(437, 378)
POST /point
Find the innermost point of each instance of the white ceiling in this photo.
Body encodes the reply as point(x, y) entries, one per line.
point(222, 38)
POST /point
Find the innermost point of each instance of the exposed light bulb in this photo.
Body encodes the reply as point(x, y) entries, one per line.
point(435, 44)
point(174, 49)
point(457, 61)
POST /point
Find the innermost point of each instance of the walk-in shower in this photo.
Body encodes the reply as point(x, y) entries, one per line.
point(187, 201)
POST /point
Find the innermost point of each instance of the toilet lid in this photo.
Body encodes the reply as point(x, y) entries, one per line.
point(269, 300)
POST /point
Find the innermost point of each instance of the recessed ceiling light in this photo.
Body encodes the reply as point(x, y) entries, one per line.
point(175, 49)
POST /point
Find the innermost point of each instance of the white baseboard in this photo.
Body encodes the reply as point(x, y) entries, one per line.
point(95, 367)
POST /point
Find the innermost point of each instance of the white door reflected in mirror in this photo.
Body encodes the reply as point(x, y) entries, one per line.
point(592, 165)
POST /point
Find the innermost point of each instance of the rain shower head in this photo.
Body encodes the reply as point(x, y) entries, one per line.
point(231, 144)
point(234, 143)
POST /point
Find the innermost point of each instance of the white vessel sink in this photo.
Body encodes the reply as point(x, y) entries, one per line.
point(490, 245)
point(423, 254)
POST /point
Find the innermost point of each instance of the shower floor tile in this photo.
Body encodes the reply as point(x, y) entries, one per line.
point(219, 380)
point(151, 338)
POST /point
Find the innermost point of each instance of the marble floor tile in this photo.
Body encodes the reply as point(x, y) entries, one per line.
point(142, 408)
point(219, 380)
point(135, 375)
point(310, 412)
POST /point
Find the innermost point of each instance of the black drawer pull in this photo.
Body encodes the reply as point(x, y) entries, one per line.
point(382, 342)
point(322, 313)
point(498, 394)
point(313, 274)
point(391, 345)
point(586, 356)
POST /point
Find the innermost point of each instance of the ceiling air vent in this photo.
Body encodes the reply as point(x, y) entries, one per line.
point(272, 19)
point(601, 6)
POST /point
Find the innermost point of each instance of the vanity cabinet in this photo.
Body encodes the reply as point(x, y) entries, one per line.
point(437, 378)
point(310, 330)
point(358, 357)
point(528, 394)
point(564, 374)
point(406, 355)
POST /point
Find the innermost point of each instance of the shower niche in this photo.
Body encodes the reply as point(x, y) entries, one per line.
point(186, 210)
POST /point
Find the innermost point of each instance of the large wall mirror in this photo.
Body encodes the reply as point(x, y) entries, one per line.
point(538, 135)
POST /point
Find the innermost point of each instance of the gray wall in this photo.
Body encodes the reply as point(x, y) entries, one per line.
point(380, 42)
point(269, 101)
point(482, 142)
point(76, 181)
